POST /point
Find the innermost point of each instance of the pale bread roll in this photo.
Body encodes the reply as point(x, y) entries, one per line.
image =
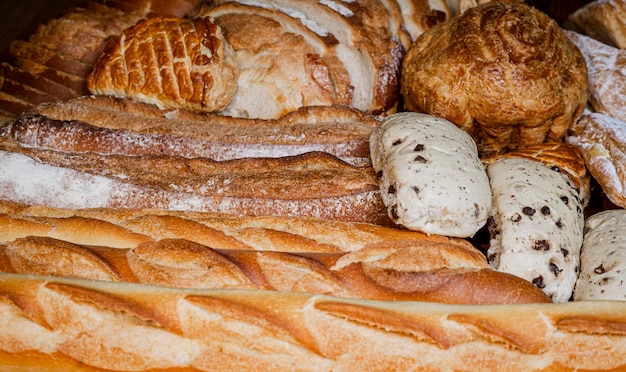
point(536, 225)
point(603, 257)
point(431, 178)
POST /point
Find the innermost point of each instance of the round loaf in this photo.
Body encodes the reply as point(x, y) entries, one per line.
point(505, 73)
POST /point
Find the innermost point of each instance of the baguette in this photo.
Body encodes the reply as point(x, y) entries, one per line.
point(407, 270)
point(57, 323)
point(108, 125)
point(313, 184)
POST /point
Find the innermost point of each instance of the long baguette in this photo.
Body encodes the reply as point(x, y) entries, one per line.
point(57, 323)
point(404, 270)
point(115, 126)
point(308, 185)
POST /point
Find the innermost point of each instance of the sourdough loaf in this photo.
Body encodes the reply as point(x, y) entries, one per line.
point(136, 327)
point(505, 73)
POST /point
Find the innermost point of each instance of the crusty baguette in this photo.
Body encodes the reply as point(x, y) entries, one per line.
point(108, 125)
point(404, 270)
point(57, 323)
point(313, 184)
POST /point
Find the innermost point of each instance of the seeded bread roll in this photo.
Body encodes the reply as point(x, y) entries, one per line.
point(431, 178)
point(536, 225)
point(602, 275)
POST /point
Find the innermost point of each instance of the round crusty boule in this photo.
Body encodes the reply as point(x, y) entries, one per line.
point(505, 73)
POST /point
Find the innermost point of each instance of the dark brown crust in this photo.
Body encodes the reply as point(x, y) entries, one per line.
point(505, 73)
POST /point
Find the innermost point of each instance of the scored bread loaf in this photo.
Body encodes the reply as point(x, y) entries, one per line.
point(58, 323)
point(170, 62)
point(208, 250)
point(109, 125)
point(405, 270)
point(602, 275)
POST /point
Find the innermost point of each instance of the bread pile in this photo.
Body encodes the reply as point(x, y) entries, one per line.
point(239, 191)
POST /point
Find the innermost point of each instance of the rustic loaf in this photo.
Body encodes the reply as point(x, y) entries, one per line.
point(108, 125)
point(314, 184)
point(606, 68)
point(603, 20)
point(57, 323)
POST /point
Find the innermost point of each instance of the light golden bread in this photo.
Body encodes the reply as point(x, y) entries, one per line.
point(448, 273)
point(137, 326)
point(505, 73)
point(169, 62)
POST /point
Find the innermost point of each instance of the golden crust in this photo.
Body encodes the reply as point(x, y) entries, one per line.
point(170, 62)
point(505, 73)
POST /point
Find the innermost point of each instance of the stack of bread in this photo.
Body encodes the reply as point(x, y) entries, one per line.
point(310, 185)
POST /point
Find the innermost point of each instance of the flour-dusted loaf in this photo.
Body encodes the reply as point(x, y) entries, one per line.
point(603, 258)
point(603, 20)
point(314, 184)
point(169, 62)
point(536, 225)
point(606, 66)
point(505, 73)
point(601, 139)
point(58, 323)
point(108, 125)
point(431, 178)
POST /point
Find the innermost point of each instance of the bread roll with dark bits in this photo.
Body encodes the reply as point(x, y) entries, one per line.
point(505, 73)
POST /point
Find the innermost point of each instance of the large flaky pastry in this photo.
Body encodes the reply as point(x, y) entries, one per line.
point(505, 73)
point(169, 62)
